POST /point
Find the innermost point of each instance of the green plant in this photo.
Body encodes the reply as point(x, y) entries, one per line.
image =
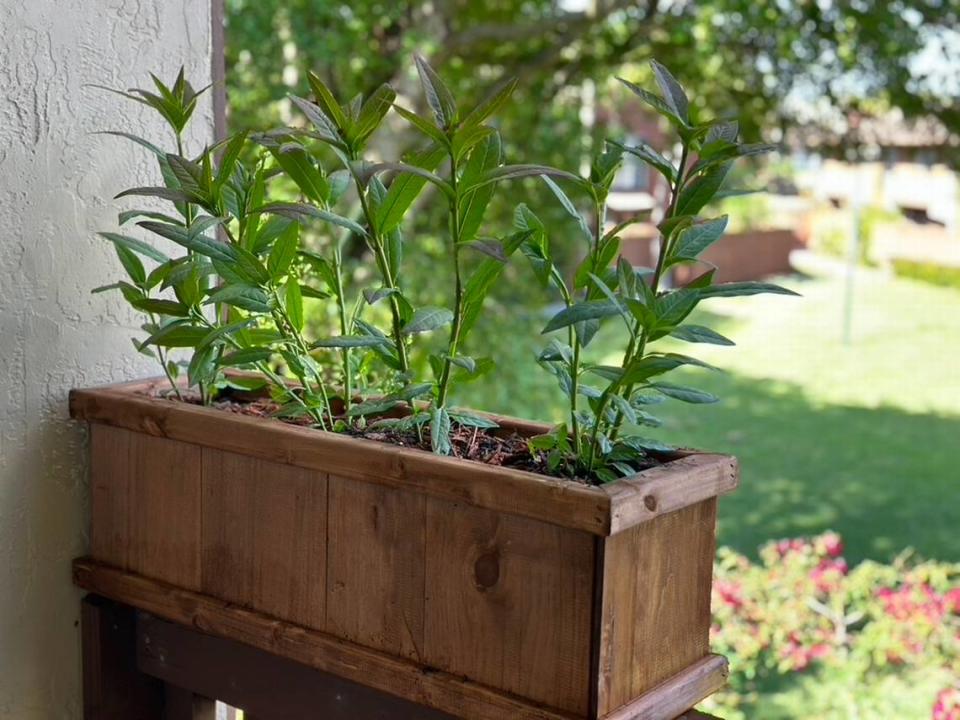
point(593, 442)
point(257, 271)
point(237, 300)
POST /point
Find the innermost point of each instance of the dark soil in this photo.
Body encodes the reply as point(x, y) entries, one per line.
point(495, 446)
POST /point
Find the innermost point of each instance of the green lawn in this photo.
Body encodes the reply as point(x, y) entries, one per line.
point(861, 438)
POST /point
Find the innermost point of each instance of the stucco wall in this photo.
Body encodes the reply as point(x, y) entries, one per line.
point(56, 181)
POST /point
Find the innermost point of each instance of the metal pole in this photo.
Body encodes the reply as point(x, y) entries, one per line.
point(853, 257)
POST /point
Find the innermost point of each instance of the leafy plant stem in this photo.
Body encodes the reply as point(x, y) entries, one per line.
point(458, 289)
point(344, 329)
point(162, 357)
point(389, 282)
point(287, 328)
point(654, 284)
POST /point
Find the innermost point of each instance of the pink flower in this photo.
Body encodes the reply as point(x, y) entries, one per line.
point(831, 544)
point(947, 705)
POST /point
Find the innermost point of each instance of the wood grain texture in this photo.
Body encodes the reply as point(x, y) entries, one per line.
point(601, 511)
point(655, 614)
point(145, 504)
point(673, 696)
point(264, 536)
point(434, 688)
point(508, 603)
point(376, 564)
point(264, 685)
point(675, 485)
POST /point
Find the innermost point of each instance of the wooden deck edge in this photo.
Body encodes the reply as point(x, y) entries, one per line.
point(406, 679)
point(674, 696)
point(600, 511)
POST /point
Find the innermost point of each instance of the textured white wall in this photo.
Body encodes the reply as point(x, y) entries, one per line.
point(56, 181)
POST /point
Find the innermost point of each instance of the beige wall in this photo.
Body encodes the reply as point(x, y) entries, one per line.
point(56, 181)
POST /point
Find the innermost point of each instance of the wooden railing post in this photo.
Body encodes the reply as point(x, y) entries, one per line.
point(113, 686)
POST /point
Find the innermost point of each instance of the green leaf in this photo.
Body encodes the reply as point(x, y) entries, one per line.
point(493, 102)
point(649, 155)
point(404, 190)
point(351, 341)
point(701, 190)
point(484, 157)
point(246, 297)
point(132, 264)
point(373, 407)
point(658, 105)
point(699, 334)
point(299, 210)
point(686, 394)
point(673, 306)
point(229, 157)
point(203, 366)
point(327, 102)
point(177, 334)
point(579, 312)
point(300, 166)
point(325, 127)
point(440, 431)
point(219, 333)
point(508, 172)
point(246, 356)
point(424, 126)
point(673, 94)
point(127, 215)
point(568, 205)
point(294, 303)
point(694, 239)
point(374, 296)
point(740, 289)
point(160, 307)
point(284, 251)
point(482, 279)
point(438, 95)
point(427, 319)
point(171, 194)
point(471, 420)
point(436, 180)
point(657, 364)
point(198, 243)
point(372, 113)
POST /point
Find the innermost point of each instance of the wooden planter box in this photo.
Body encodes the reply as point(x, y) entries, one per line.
point(480, 591)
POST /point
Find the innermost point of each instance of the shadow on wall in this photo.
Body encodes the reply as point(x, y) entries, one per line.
point(884, 478)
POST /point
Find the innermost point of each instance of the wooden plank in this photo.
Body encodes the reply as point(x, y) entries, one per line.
point(565, 503)
point(264, 685)
point(145, 504)
point(433, 688)
point(656, 603)
point(113, 688)
point(675, 485)
point(183, 704)
point(509, 603)
point(264, 536)
point(376, 566)
point(670, 699)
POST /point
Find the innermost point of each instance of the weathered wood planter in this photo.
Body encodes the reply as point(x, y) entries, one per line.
point(484, 592)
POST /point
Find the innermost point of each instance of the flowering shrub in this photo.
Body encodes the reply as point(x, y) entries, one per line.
point(807, 634)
